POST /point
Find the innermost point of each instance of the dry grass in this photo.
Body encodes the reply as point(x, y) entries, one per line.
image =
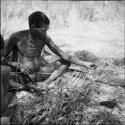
point(73, 100)
point(64, 103)
point(105, 118)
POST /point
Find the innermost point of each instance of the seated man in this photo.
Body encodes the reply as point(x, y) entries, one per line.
point(27, 46)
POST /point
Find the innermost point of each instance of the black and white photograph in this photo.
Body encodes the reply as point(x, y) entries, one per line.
point(62, 62)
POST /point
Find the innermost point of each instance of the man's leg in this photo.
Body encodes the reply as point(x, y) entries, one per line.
point(56, 73)
point(51, 71)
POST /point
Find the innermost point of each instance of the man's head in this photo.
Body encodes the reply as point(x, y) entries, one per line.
point(38, 20)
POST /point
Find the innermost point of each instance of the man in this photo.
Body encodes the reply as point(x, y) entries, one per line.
point(28, 44)
point(5, 119)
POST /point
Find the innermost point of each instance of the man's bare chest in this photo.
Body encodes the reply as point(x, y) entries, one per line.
point(30, 47)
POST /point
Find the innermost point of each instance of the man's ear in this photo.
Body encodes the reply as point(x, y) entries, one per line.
point(33, 27)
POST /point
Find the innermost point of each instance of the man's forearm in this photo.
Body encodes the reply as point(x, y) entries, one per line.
point(11, 64)
point(79, 62)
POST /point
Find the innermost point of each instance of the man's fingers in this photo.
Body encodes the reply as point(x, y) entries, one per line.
point(26, 70)
point(93, 66)
point(26, 73)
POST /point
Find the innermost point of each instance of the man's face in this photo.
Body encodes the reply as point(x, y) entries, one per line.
point(41, 31)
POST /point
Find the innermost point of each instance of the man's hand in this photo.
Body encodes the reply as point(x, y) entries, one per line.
point(90, 65)
point(82, 63)
point(93, 66)
point(24, 69)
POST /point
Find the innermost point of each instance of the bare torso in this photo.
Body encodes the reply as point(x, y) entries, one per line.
point(29, 51)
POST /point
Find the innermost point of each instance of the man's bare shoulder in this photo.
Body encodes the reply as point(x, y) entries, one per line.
point(16, 37)
point(20, 34)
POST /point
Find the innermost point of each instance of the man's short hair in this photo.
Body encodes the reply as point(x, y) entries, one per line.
point(39, 19)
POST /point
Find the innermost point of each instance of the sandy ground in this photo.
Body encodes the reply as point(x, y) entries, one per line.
point(102, 39)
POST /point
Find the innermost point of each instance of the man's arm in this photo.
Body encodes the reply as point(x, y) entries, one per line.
point(10, 45)
point(76, 61)
point(66, 57)
point(54, 48)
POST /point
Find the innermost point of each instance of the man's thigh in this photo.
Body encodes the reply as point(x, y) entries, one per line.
point(50, 67)
point(45, 71)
